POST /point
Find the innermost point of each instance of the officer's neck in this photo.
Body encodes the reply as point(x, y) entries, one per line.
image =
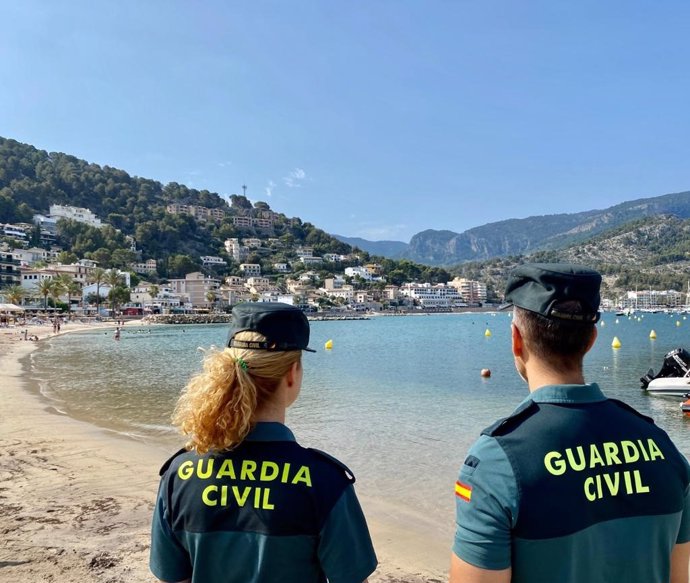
point(271, 413)
point(274, 409)
point(540, 375)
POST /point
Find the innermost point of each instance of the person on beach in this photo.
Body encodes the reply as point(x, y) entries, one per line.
point(572, 487)
point(244, 502)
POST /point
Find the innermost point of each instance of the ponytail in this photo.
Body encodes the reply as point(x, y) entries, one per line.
point(217, 408)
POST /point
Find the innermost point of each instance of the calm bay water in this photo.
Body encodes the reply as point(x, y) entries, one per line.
point(398, 399)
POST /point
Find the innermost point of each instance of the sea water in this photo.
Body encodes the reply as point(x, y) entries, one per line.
point(398, 399)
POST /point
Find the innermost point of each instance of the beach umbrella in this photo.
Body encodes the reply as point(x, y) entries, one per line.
point(10, 308)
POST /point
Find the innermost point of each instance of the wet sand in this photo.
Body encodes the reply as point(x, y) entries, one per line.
point(76, 500)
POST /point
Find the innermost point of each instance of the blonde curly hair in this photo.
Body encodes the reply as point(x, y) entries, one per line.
point(217, 408)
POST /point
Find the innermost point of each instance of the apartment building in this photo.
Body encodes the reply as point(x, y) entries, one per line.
point(432, 296)
point(250, 269)
point(10, 273)
point(201, 213)
point(196, 287)
point(472, 291)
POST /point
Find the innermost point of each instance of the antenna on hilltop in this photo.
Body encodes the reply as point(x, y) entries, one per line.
point(244, 190)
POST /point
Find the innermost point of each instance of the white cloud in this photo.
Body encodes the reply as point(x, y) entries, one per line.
point(295, 178)
point(269, 188)
point(225, 164)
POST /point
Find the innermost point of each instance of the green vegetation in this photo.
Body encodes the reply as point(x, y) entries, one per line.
point(135, 212)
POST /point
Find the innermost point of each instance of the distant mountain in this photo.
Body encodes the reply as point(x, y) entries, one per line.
point(524, 236)
point(649, 253)
point(390, 249)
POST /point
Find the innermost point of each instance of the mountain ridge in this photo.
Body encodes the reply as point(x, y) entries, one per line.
point(530, 234)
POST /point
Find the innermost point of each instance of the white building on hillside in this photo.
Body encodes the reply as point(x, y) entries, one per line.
point(74, 213)
point(30, 256)
point(16, 232)
point(250, 269)
point(365, 273)
point(207, 260)
point(46, 224)
point(147, 267)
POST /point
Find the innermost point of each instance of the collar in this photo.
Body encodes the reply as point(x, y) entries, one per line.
point(590, 393)
point(270, 431)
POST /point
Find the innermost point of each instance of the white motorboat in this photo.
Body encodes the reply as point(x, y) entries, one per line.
point(674, 377)
point(673, 387)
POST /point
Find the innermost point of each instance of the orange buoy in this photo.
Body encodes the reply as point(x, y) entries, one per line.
point(486, 373)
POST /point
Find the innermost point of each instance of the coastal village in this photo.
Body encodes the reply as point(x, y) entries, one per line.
point(256, 267)
point(40, 278)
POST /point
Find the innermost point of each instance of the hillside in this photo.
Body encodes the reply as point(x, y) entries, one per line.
point(524, 236)
point(650, 253)
point(174, 225)
point(133, 208)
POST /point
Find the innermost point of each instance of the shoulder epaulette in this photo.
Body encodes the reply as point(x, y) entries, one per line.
point(507, 424)
point(348, 474)
point(166, 465)
point(624, 405)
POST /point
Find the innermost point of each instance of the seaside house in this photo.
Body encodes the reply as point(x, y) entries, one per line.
point(30, 277)
point(197, 287)
point(439, 296)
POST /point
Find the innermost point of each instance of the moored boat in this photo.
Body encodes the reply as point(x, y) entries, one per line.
point(674, 377)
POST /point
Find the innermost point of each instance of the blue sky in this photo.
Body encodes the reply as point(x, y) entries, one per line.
point(371, 118)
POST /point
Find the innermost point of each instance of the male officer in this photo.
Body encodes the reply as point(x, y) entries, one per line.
point(572, 487)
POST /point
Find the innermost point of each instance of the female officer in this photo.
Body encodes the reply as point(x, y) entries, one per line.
point(244, 502)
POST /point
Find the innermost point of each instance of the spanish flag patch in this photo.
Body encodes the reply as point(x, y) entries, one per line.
point(463, 491)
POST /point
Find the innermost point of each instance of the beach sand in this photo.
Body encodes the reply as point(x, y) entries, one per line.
point(76, 500)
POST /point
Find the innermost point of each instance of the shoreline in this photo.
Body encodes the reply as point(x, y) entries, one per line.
point(76, 499)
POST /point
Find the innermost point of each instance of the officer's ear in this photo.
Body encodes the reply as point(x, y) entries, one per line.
point(595, 333)
point(292, 373)
point(516, 341)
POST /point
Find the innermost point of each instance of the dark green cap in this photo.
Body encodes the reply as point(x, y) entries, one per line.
point(285, 327)
point(540, 287)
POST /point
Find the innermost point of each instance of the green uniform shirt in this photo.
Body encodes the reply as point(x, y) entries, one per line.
point(573, 488)
point(266, 511)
